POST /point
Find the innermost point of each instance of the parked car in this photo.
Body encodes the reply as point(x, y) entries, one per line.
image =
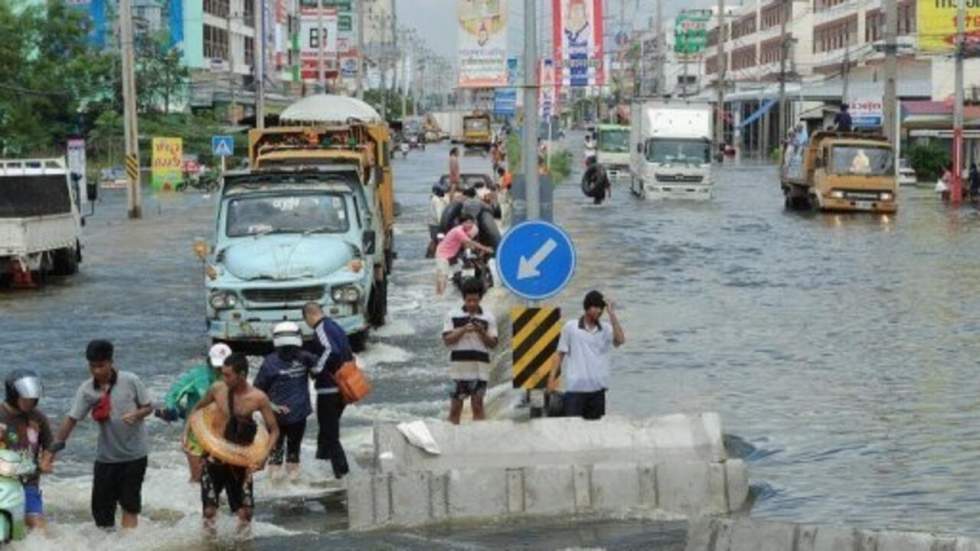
point(906, 174)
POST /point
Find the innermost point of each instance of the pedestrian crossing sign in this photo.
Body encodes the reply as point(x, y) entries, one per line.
point(222, 146)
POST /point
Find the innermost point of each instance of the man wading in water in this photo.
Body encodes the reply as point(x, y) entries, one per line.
point(238, 400)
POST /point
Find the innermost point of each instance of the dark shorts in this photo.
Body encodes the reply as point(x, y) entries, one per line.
point(463, 389)
point(587, 405)
point(117, 484)
point(289, 443)
point(234, 481)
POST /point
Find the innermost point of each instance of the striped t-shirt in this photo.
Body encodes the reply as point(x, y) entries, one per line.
point(469, 358)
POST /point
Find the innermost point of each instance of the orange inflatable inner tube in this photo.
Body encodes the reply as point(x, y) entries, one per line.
point(208, 424)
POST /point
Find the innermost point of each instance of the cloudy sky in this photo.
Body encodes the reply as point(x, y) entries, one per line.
point(434, 19)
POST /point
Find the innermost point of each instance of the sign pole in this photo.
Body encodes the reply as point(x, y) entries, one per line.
point(531, 111)
point(957, 191)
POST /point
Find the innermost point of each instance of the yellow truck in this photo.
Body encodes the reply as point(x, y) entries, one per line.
point(476, 132)
point(310, 220)
point(840, 171)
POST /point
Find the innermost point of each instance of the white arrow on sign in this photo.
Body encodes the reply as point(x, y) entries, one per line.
point(528, 268)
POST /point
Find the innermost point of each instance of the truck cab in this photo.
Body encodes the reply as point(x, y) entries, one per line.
point(841, 171)
point(311, 221)
point(613, 150)
point(670, 150)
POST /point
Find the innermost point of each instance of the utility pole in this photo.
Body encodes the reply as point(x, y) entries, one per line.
point(661, 47)
point(956, 192)
point(134, 200)
point(722, 74)
point(783, 51)
point(891, 74)
point(320, 53)
point(231, 72)
point(360, 49)
point(530, 153)
point(259, 52)
point(845, 71)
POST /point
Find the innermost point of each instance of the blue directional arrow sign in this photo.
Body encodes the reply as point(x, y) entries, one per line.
point(222, 146)
point(536, 260)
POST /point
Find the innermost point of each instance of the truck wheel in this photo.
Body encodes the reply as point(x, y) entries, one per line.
point(66, 261)
point(378, 303)
point(358, 341)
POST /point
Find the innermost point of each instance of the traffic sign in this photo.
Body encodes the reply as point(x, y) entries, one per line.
point(536, 260)
point(222, 146)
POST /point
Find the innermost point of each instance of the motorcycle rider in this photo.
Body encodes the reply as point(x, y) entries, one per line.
point(26, 430)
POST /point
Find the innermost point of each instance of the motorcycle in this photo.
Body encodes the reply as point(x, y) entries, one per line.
point(403, 148)
point(473, 265)
point(12, 467)
point(415, 143)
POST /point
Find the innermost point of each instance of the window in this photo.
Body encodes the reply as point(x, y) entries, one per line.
point(823, 5)
point(215, 42)
point(744, 26)
point(835, 35)
point(874, 26)
point(771, 51)
point(744, 58)
point(248, 13)
point(217, 8)
point(775, 13)
point(249, 50)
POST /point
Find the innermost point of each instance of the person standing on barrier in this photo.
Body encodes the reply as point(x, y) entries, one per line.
point(455, 178)
point(332, 349)
point(469, 333)
point(583, 354)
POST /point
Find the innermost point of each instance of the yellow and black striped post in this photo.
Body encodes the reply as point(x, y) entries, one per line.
point(133, 169)
point(536, 332)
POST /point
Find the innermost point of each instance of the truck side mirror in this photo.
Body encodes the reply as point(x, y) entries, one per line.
point(201, 249)
point(639, 148)
point(92, 191)
point(369, 242)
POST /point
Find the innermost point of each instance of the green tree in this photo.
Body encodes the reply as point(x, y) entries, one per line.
point(160, 75)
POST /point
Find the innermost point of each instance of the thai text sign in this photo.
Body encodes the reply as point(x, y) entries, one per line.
point(482, 43)
point(936, 25)
point(691, 31)
point(168, 157)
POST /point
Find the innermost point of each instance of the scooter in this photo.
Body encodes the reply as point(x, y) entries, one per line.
point(404, 147)
point(12, 467)
point(473, 265)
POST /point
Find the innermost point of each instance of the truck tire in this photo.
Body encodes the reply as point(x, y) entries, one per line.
point(378, 303)
point(66, 261)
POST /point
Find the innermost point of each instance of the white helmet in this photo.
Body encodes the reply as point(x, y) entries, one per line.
point(286, 333)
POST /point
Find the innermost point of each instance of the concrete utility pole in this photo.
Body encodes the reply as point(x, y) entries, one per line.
point(360, 49)
point(320, 50)
point(530, 153)
point(231, 73)
point(783, 54)
point(134, 199)
point(845, 72)
point(722, 75)
point(661, 53)
point(956, 192)
point(259, 52)
point(890, 107)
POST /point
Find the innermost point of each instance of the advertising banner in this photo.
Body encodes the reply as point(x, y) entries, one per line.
point(482, 43)
point(866, 112)
point(168, 163)
point(309, 43)
point(76, 165)
point(936, 26)
point(577, 34)
point(547, 91)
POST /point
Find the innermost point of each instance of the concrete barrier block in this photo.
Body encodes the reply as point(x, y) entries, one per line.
point(966, 544)
point(439, 496)
point(549, 489)
point(704, 532)
point(515, 491)
point(749, 535)
point(411, 498)
point(475, 493)
point(617, 486)
point(691, 488)
point(360, 502)
point(737, 479)
point(903, 541)
point(827, 538)
point(649, 491)
point(582, 484)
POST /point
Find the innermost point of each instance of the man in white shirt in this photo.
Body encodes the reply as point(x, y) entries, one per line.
point(584, 347)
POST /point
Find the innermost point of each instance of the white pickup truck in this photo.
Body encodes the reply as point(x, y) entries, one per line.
point(40, 222)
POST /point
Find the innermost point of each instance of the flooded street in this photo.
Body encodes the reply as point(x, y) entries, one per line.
point(840, 352)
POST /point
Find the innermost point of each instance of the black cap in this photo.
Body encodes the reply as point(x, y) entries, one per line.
point(593, 298)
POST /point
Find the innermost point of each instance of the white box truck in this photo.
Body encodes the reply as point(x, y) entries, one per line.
point(40, 222)
point(670, 149)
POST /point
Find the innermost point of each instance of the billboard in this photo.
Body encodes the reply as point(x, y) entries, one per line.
point(482, 43)
point(309, 43)
point(167, 163)
point(691, 31)
point(577, 34)
point(936, 25)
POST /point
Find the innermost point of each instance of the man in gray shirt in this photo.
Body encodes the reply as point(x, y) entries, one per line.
point(119, 402)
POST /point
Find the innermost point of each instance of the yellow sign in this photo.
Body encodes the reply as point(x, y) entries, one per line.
point(536, 332)
point(936, 24)
point(168, 157)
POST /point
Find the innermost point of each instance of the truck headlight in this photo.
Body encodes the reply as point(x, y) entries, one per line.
point(886, 196)
point(836, 194)
point(222, 300)
point(347, 293)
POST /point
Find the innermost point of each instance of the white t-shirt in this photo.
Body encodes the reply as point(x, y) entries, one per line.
point(469, 358)
point(586, 365)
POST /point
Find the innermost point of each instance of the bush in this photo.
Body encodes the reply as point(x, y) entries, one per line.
point(929, 160)
point(561, 160)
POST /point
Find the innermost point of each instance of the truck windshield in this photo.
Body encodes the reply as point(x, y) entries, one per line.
point(476, 125)
point(22, 196)
point(861, 160)
point(301, 213)
point(614, 141)
point(690, 151)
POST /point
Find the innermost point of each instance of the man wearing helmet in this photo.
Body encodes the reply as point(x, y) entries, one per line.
point(25, 430)
point(185, 394)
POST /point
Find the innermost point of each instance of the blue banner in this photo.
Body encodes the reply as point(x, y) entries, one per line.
point(176, 23)
point(505, 102)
